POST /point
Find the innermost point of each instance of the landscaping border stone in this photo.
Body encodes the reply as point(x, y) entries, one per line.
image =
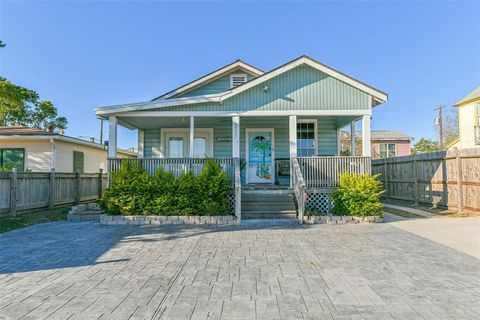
point(165, 220)
point(342, 219)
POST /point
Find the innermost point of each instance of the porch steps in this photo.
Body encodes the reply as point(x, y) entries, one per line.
point(268, 204)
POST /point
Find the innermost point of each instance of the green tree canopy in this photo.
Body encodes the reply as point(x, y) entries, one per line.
point(426, 145)
point(21, 106)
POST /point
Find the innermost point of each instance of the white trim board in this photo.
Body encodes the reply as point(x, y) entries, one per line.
point(252, 113)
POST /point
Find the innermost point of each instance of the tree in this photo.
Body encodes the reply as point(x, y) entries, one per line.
point(426, 145)
point(450, 125)
point(21, 106)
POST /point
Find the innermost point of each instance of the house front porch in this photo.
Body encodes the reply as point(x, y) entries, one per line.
point(297, 153)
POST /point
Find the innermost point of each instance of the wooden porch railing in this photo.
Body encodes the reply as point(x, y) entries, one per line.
point(324, 172)
point(175, 165)
point(298, 188)
point(179, 165)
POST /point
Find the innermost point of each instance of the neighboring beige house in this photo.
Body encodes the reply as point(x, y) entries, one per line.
point(40, 151)
point(469, 120)
point(384, 144)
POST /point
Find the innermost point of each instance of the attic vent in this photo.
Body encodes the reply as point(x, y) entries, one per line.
point(237, 79)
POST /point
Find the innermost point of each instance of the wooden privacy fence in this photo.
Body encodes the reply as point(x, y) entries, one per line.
point(25, 191)
point(446, 178)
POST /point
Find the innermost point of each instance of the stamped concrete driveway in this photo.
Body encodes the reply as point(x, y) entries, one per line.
point(89, 271)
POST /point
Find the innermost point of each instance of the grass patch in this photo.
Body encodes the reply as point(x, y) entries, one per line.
point(404, 214)
point(27, 219)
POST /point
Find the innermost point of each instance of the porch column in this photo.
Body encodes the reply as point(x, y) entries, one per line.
point(352, 138)
point(192, 136)
point(141, 138)
point(235, 137)
point(339, 142)
point(292, 138)
point(366, 137)
point(112, 136)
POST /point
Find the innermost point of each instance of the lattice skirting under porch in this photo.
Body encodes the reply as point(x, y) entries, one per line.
point(319, 201)
point(231, 201)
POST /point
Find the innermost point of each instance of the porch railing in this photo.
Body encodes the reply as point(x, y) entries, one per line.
point(179, 165)
point(324, 172)
point(298, 188)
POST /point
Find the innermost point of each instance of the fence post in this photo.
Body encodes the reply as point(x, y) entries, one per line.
point(51, 198)
point(385, 179)
point(459, 182)
point(100, 181)
point(416, 188)
point(13, 192)
point(77, 187)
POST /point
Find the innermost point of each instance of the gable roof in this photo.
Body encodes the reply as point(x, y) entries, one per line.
point(234, 66)
point(164, 101)
point(471, 97)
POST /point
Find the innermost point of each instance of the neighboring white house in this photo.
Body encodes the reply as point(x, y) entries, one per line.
point(469, 120)
point(40, 151)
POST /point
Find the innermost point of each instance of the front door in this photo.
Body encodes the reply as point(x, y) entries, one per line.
point(260, 157)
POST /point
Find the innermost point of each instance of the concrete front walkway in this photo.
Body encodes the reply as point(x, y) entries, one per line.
point(89, 271)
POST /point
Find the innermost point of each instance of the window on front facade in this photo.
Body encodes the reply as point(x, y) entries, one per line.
point(199, 147)
point(237, 79)
point(305, 139)
point(388, 150)
point(78, 162)
point(478, 114)
point(14, 157)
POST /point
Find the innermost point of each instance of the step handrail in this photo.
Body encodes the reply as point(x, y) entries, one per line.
point(298, 188)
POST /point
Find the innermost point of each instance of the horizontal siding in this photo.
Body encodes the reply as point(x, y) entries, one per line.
point(220, 85)
point(222, 133)
point(152, 143)
point(302, 88)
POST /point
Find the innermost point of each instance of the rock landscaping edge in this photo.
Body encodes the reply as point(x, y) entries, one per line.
point(342, 219)
point(164, 220)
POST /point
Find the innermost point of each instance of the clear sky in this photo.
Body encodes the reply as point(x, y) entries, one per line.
point(81, 55)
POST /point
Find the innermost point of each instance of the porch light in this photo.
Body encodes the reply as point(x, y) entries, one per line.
point(265, 89)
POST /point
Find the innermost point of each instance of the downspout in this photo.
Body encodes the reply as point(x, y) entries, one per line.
point(54, 154)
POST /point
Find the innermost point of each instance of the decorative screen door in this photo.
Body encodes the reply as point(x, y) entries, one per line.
point(260, 156)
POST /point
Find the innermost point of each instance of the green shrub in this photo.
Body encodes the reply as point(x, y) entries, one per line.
point(358, 195)
point(214, 187)
point(133, 192)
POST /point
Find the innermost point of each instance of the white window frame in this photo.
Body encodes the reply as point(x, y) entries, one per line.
point(165, 132)
point(388, 150)
point(315, 128)
point(244, 75)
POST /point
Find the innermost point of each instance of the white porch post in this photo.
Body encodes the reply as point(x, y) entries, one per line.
point(192, 136)
point(292, 138)
point(339, 142)
point(235, 137)
point(141, 141)
point(352, 139)
point(366, 136)
point(112, 136)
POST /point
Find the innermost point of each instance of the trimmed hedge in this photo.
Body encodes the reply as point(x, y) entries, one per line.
point(358, 196)
point(134, 192)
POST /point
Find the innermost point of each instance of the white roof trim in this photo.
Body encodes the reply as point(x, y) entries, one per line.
point(314, 64)
point(213, 75)
point(157, 104)
point(63, 138)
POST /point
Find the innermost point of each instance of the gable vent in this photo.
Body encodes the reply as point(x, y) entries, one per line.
point(237, 79)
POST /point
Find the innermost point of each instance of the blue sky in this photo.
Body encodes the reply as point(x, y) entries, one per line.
point(81, 55)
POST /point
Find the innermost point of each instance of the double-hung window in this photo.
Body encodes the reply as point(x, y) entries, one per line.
point(388, 150)
point(306, 138)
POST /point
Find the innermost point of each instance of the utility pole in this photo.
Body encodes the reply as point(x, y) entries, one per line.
point(440, 123)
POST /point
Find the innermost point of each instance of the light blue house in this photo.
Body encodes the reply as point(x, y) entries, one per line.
point(270, 130)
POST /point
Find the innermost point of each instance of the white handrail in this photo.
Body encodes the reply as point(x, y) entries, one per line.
point(299, 188)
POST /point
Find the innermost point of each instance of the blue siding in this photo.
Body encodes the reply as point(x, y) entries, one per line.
point(219, 85)
point(302, 88)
